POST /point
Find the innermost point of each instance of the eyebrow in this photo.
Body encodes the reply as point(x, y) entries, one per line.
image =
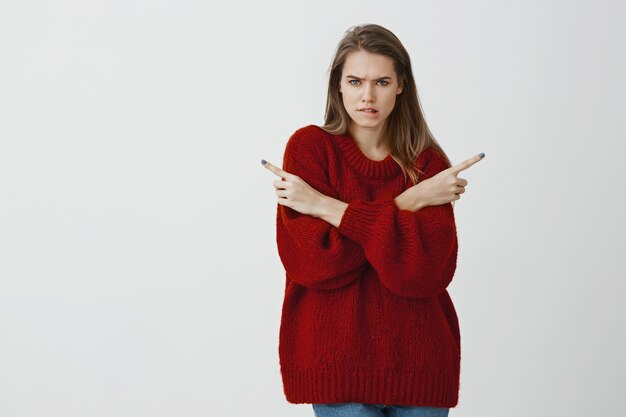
point(353, 76)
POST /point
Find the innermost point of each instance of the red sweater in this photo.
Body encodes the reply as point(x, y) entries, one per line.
point(366, 316)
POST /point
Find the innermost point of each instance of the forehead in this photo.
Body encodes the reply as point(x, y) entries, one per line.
point(363, 64)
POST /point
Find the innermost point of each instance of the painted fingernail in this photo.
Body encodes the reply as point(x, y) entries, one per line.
point(263, 161)
point(482, 155)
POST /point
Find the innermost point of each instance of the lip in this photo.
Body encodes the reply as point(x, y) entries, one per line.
point(368, 108)
point(369, 114)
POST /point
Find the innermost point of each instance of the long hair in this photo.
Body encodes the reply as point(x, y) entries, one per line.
point(405, 132)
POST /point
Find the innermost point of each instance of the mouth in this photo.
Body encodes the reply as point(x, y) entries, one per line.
point(368, 110)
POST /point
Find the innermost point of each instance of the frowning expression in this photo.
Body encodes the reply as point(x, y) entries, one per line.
point(368, 87)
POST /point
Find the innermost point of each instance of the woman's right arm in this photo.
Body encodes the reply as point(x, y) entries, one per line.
point(442, 188)
point(412, 199)
point(413, 252)
point(313, 251)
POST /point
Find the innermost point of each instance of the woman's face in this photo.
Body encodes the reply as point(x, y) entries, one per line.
point(368, 80)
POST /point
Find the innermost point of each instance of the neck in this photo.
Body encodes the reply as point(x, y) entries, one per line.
point(369, 140)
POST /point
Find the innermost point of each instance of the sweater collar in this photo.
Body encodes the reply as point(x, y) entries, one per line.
point(370, 168)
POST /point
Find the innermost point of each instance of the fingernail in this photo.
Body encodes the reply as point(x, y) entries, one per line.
point(263, 161)
point(482, 155)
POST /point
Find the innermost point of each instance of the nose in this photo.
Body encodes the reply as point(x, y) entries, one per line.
point(368, 95)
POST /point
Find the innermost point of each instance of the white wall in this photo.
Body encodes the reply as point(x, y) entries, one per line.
point(139, 274)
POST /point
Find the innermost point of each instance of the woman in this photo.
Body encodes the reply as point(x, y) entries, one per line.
point(368, 327)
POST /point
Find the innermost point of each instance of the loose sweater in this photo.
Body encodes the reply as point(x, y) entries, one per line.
point(366, 316)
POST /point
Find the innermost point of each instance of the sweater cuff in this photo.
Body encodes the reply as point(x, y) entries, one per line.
point(360, 218)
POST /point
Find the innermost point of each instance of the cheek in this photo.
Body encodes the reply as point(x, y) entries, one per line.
point(391, 102)
point(348, 100)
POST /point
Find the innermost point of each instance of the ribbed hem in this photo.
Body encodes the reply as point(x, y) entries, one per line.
point(373, 387)
point(360, 217)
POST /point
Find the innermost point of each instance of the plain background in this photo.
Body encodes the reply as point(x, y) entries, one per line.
point(139, 274)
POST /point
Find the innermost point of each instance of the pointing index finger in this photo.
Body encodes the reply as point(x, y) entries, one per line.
point(276, 170)
point(466, 164)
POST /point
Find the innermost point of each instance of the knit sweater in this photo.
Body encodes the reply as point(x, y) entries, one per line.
point(366, 316)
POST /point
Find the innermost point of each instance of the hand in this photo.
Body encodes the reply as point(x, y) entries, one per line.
point(445, 187)
point(294, 192)
point(442, 188)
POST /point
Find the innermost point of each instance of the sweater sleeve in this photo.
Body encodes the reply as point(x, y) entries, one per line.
point(413, 253)
point(312, 250)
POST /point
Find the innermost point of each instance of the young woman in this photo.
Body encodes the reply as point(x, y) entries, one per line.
point(368, 327)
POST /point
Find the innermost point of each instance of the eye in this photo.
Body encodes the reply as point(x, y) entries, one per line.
point(380, 81)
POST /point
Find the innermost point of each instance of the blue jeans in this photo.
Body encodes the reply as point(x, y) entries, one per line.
point(376, 410)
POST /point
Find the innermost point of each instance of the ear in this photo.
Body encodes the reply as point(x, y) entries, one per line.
point(399, 90)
